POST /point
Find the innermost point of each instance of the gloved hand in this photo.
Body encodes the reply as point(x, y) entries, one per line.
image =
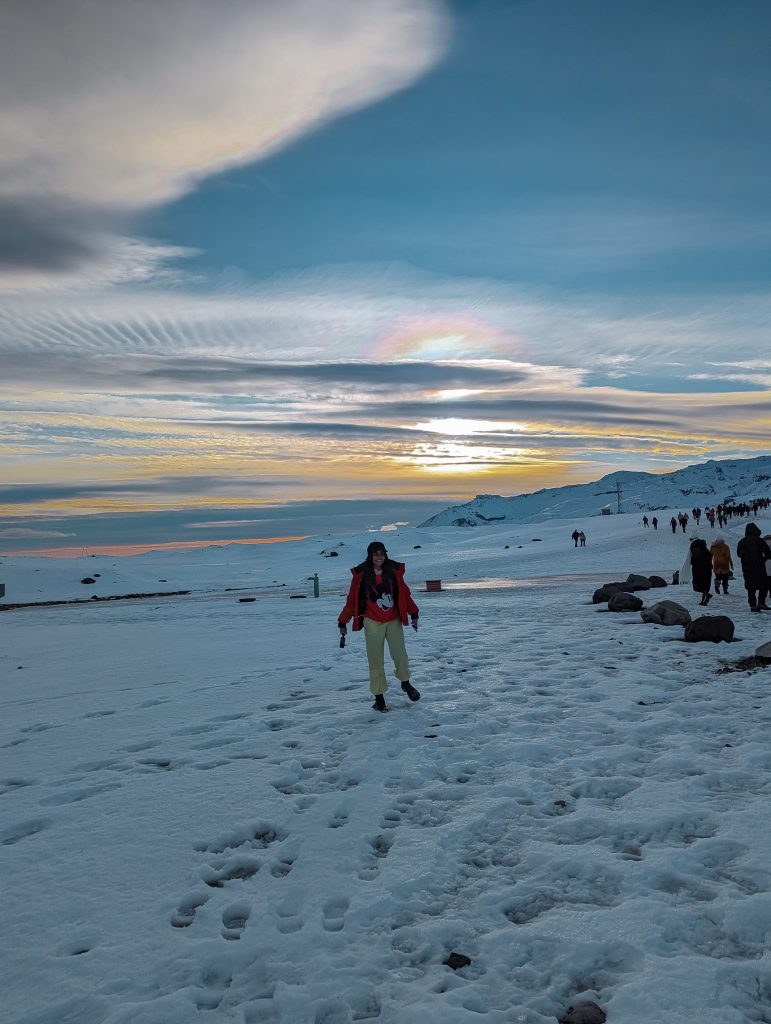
point(414, 623)
point(343, 629)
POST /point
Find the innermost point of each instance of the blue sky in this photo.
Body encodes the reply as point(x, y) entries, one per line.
point(259, 252)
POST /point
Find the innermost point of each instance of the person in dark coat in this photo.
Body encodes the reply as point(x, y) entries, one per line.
point(701, 569)
point(753, 552)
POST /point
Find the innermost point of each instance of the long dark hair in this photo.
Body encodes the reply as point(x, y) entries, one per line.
point(368, 588)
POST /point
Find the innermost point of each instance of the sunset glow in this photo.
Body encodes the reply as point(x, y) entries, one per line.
point(409, 249)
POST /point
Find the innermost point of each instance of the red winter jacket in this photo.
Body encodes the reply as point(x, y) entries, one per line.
point(357, 600)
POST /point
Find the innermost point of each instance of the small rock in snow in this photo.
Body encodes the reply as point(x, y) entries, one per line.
point(457, 960)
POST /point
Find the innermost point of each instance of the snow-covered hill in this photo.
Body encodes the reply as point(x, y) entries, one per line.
point(705, 484)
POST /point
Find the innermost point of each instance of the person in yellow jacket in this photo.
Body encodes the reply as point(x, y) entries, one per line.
point(722, 564)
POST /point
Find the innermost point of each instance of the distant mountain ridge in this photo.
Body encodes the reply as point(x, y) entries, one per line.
point(703, 484)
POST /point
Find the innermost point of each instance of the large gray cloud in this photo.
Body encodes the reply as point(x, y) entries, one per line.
point(212, 376)
point(116, 106)
point(49, 236)
point(32, 494)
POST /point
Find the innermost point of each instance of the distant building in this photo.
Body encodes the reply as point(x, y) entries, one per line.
point(605, 511)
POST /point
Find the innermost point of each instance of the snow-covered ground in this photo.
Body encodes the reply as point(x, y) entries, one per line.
point(203, 819)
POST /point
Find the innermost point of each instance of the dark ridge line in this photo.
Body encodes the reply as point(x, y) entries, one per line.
point(90, 600)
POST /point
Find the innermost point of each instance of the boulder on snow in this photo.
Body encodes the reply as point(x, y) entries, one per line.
point(584, 1013)
point(715, 628)
point(764, 651)
point(657, 581)
point(628, 587)
point(638, 582)
point(666, 613)
point(88, 579)
point(624, 602)
point(605, 592)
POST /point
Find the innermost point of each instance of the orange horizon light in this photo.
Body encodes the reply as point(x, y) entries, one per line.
point(121, 550)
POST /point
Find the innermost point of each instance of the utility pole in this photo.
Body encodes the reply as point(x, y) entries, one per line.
point(617, 492)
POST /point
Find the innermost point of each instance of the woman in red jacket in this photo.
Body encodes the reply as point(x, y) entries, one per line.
point(379, 602)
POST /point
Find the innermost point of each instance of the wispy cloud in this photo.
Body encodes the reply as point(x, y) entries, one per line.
point(379, 317)
point(165, 394)
point(25, 533)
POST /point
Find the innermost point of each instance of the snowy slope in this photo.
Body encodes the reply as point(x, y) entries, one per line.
point(704, 484)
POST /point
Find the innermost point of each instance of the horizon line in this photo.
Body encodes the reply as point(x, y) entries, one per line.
point(121, 550)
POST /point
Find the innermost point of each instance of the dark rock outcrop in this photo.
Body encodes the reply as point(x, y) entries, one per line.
point(666, 613)
point(714, 628)
point(584, 1013)
point(638, 582)
point(624, 602)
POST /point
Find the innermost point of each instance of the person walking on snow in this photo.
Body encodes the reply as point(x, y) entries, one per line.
point(655, 523)
point(582, 539)
point(722, 563)
point(701, 569)
point(575, 535)
point(753, 552)
point(379, 602)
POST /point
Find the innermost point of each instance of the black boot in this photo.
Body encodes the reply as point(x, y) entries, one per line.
point(380, 704)
point(410, 690)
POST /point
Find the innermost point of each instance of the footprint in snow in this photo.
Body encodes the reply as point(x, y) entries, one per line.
point(10, 785)
point(378, 849)
point(240, 867)
point(339, 818)
point(333, 915)
point(288, 912)
point(185, 913)
point(23, 830)
point(284, 864)
point(234, 918)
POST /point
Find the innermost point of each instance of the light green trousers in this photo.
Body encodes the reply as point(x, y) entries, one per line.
point(376, 634)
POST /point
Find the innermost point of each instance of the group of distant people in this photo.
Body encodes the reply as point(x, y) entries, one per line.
point(579, 538)
point(715, 513)
point(754, 553)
